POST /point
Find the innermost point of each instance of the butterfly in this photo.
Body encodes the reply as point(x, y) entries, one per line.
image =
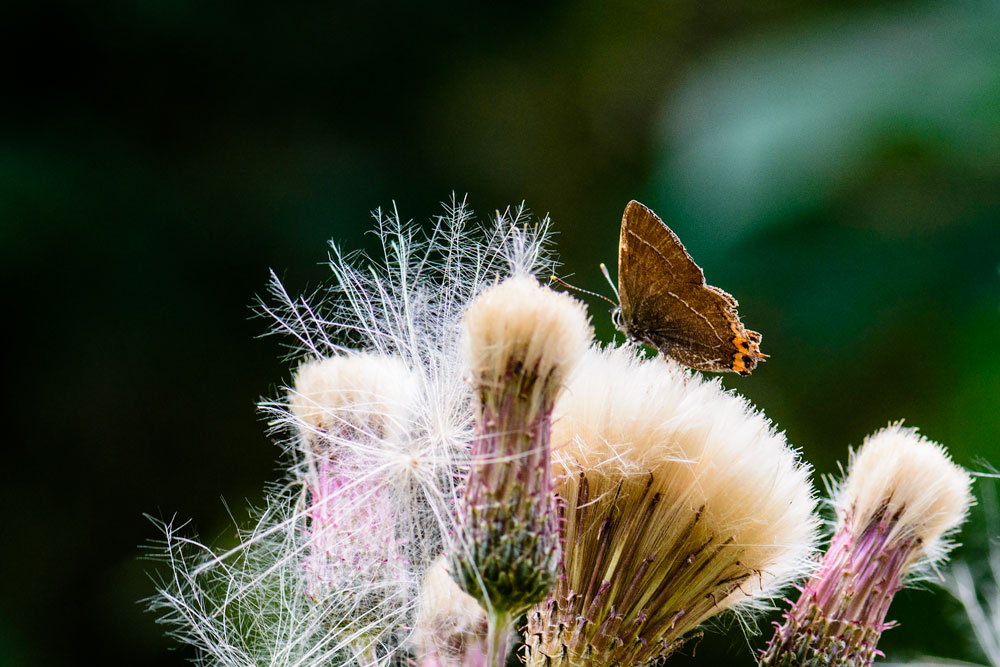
point(664, 302)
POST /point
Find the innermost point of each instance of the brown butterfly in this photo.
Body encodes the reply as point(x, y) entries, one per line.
point(665, 302)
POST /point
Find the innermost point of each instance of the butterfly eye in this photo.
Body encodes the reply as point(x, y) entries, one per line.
point(616, 317)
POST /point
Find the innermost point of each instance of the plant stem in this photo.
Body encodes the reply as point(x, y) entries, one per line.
point(499, 638)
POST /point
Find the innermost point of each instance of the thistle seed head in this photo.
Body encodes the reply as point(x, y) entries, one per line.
point(681, 501)
point(521, 341)
point(900, 473)
point(522, 327)
point(901, 499)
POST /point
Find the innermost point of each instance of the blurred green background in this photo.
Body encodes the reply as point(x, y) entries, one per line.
point(834, 165)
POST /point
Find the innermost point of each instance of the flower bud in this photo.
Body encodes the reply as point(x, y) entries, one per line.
point(902, 497)
point(522, 340)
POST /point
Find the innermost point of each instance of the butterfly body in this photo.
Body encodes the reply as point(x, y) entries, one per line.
point(664, 301)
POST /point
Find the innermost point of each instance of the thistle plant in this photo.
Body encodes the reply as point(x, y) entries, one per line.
point(457, 455)
point(901, 500)
point(681, 501)
point(374, 466)
point(522, 339)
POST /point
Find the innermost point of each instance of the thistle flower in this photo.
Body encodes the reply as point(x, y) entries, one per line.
point(680, 502)
point(522, 339)
point(350, 411)
point(901, 499)
point(374, 470)
point(451, 624)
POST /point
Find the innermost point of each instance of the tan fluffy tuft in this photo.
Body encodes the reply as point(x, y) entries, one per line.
point(354, 395)
point(627, 419)
point(520, 324)
point(902, 471)
point(450, 622)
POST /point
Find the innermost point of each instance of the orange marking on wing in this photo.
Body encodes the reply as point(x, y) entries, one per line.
point(738, 365)
point(739, 342)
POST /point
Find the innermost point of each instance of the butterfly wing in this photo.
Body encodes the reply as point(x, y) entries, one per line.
point(645, 245)
point(666, 303)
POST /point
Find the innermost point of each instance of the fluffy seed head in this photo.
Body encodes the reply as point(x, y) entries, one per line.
point(623, 418)
point(521, 341)
point(521, 324)
point(367, 396)
point(902, 496)
point(451, 626)
point(353, 413)
point(899, 471)
point(681, 502)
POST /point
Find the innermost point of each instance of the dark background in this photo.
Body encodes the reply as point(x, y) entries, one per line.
point(834, 165)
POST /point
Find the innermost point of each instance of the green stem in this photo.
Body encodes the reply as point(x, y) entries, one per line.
point(499, 638)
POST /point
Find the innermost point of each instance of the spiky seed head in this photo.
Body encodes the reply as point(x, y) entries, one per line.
point(897, 471)
point(681, 501)
point(520, 324)
point(521, 341)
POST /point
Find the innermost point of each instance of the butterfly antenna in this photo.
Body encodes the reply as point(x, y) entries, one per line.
point(607, 276)
point(580, 289)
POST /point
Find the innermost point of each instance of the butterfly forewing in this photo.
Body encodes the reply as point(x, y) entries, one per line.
point(666, 303)
point(650, 254)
